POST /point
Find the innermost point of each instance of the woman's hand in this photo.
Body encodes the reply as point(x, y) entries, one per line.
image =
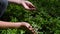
point(28, 27)
point(28, 5)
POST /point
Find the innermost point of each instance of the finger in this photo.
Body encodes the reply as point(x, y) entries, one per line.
point(31, 29)
point(30, 3)
point(25, 6)
point(32, 9)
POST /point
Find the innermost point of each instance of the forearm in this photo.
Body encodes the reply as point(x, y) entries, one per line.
point(5, 25)
point(15, 1)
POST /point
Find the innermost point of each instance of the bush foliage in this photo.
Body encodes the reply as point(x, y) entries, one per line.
point(45, 19)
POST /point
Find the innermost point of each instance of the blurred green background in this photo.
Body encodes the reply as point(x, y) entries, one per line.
point(45, 20)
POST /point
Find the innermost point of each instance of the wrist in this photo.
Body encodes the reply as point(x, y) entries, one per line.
point(21, 1)
point(20, 24)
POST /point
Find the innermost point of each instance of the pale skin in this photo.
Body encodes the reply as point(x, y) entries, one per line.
point(27, 5)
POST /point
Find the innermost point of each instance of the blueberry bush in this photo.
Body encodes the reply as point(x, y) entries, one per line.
point(45, 19)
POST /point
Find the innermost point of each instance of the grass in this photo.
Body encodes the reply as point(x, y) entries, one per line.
point(45, 20)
